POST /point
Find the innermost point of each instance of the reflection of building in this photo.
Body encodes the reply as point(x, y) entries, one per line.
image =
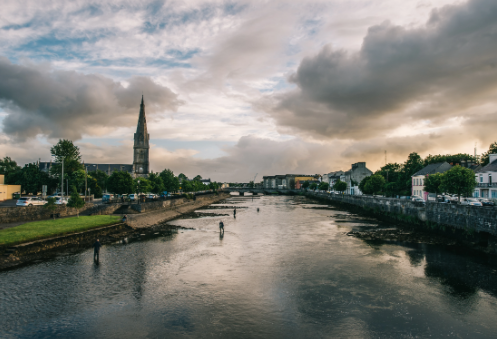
point(7, 191)
point(141, 164)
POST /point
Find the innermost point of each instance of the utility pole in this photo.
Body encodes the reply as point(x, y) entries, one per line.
point(86, 180)
point(62, 179)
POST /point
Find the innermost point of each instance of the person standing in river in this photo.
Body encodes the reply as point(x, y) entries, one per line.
point(96, 250)
point(221, 227)
point(234, 213)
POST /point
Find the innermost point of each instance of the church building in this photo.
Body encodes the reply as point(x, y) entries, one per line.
point(141, 147)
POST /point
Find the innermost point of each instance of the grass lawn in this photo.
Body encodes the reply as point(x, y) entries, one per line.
point(49, 228)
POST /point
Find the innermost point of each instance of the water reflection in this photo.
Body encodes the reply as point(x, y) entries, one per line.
point(284, 269)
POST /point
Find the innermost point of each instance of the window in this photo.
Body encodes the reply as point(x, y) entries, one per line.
point(494, 194)
point(490, 179)
point(476, 194)
point(481, 178)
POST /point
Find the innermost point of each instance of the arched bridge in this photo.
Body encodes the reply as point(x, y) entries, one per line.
point(258, 190)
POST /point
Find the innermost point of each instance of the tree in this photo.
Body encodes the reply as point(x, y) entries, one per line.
point(120, 182)
point(450, 158)
point(323, 186)
point(375, 183)
point(306, 184)
point(413, 164)
point(433, 183)
point(251, 184)
point(313, 186)
point(182, 177)
point(459, 180)
point(142, 185)
point(157, 185)
point(65, 149)
point(171, 183)
point(187, 186)
point(485, 159)
point(340, 186)
point(31, 179)
point(362, 185)
point(197, 178)
point(75, 200)
point(7, 166)
point(101, 178)
point(51, 206)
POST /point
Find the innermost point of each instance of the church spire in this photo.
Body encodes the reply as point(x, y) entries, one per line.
point(141, 146)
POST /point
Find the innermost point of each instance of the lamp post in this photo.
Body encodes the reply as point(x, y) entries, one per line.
point(139, 200)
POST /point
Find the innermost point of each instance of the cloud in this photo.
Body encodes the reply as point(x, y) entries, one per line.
point(398, 77)
point(68, 104)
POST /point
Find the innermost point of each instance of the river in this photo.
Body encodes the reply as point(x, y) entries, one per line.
point(287, 271)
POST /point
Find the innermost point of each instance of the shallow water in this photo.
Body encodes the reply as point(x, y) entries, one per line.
point(288, 271)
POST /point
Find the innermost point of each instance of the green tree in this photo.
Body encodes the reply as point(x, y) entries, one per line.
point(171, 183)
point(142, 185)
point(390, 172)
point(182, 177)
point(450, 158)
point(485, 159)
point(31, 179)
point(375, 183)
point(101, 178)
point(413, 164)
point(65, 149)
point(306, 184)
point(157, 185)
point(340, 186)
point(433, 183)
point(50, 205)
point(313, 186)
point(187, 186)
point(391, 189)
point(323, 186)
point(120, 182)
point(251, 184)
point(362, 185)
point(7, 166)
point(459, 180)
point(197, 178)
point(75, 201)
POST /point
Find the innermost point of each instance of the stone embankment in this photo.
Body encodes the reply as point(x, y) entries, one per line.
point(471, 225)
point(153, 217)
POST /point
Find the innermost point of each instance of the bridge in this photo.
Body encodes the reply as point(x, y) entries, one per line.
point(259, 190)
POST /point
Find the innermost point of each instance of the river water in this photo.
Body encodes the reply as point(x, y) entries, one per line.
point(287, 271)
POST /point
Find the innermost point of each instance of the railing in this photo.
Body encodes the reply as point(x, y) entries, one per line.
point(486, 184)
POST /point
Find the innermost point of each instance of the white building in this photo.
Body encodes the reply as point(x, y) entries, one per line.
point(418, 178)
point(486, 178)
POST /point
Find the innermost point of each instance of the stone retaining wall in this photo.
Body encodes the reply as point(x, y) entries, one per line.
point(33, 213)
point(470, 218)
point(74, 239)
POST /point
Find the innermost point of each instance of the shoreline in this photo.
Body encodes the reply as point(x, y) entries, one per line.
point(138, 226)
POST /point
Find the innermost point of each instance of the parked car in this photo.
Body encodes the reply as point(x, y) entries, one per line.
point(60, 201)
point(133, 197)
point(418, 199)
point(106, 198)
point(470, 202)
point(30, 201)
point(486, 202)
point(152, 196)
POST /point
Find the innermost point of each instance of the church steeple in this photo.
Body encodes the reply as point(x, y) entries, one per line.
point(141, 146)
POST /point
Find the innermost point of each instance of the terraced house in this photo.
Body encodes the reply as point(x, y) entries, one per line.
point(486, 178)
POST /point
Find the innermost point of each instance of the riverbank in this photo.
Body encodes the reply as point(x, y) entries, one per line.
point(139, 226)
point(412, 229)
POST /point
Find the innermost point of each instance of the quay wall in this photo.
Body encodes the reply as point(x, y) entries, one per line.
point(467, 218)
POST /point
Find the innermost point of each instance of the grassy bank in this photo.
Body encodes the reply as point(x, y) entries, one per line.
point(37, 230)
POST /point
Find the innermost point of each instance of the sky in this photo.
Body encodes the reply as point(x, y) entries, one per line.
point(238, 88)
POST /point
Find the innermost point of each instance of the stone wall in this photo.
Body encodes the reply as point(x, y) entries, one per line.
point(157, 205)
point(470, 218)
point(33, 213)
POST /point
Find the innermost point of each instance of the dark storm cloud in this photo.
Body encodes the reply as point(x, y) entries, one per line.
point(398, 76)
point(67, 104)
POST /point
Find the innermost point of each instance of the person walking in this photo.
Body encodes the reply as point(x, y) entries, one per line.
point(96, 250)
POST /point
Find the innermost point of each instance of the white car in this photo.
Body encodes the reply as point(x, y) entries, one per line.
point(133, 197)
point(30, 201)
point(60, 201)
point(418, 199)
point(471, 202)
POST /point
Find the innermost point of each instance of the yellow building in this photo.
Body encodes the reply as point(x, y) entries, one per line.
point(7, 191)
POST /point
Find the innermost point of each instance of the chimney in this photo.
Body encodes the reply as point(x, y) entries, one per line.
point(492, 158)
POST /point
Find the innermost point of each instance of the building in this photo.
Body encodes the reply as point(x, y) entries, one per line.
point(141, 148)
point(486, 177)
point(7, 191)
point(205, 181)
point(419, 177)
point(332, 177)
point(299, 180)
point(354, 176)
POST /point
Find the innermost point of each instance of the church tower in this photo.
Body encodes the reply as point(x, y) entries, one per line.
point(141, 146)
